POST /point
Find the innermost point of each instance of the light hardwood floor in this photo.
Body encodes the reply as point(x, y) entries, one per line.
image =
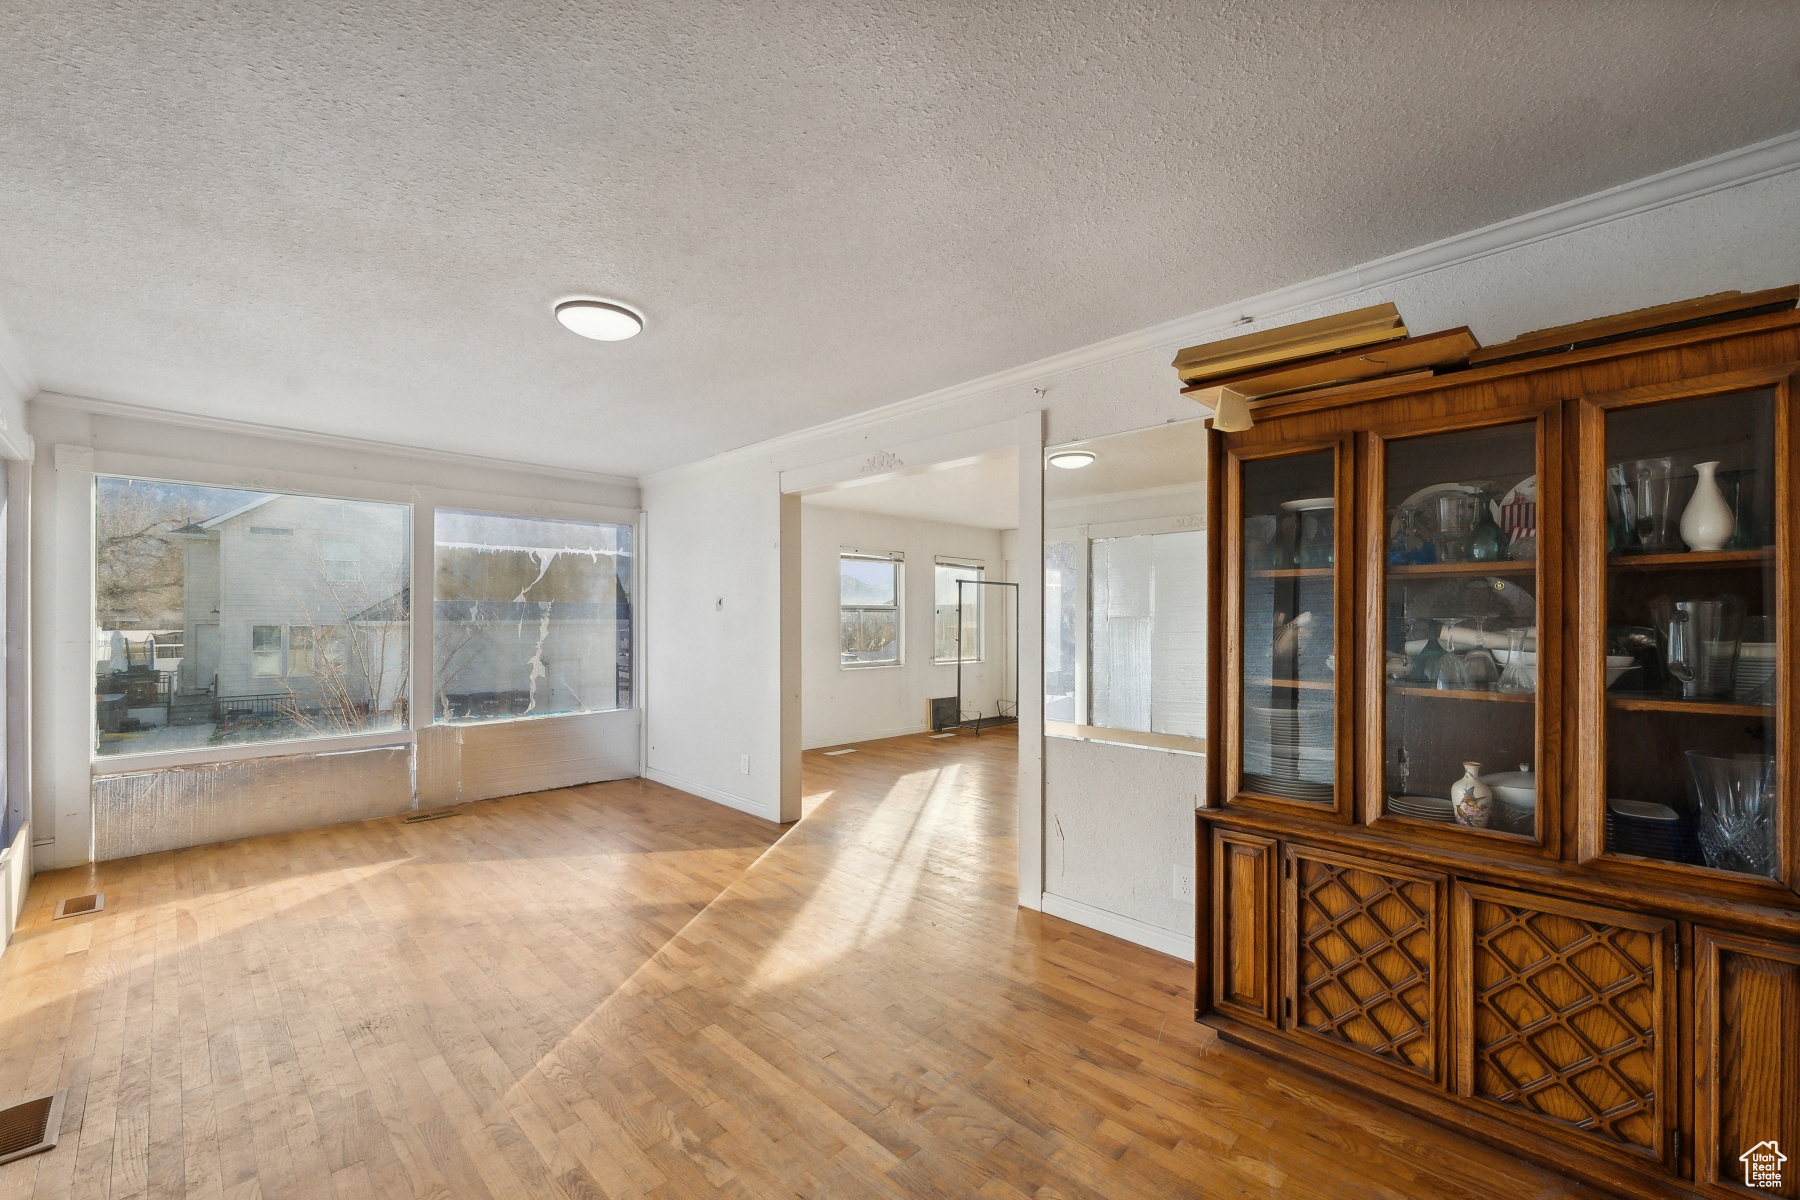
point(619, 990)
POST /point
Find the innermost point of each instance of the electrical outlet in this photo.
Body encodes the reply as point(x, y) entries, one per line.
point(1184, 882)
point(743, 764)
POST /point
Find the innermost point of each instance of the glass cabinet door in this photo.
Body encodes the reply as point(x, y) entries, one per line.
point(1288, 629)
point(1693, 635)
point(1461, 613)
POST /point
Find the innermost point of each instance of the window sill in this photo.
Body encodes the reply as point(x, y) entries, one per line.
point(844, 666)
point(514, 719)
point(1170, 742)
point(203, 756)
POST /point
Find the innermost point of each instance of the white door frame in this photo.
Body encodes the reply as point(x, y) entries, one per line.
point(1025, 434)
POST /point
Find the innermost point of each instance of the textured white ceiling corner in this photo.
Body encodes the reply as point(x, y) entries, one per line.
point(983, 492)
point(354, 224)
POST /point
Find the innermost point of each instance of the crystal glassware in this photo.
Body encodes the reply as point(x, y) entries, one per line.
point(1517, 677)
point(1480, 671)
point(1424, 667)
point(1736, 798)
point(1455, 521)
point(1486, 541)
point(1449, 676)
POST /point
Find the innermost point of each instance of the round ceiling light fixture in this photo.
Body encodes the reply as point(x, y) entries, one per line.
point(601, 320)
point(1072, 460)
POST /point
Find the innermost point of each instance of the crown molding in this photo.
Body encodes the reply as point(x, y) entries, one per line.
point(332, 441)
point(1762, 160)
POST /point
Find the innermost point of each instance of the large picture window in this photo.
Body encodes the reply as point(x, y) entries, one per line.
point(201, 597)
point(532, 617)
point(869, 625)
point(944, 641)
point(1147, 631)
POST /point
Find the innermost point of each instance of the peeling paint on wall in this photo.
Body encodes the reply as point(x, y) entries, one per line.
point(147, 811)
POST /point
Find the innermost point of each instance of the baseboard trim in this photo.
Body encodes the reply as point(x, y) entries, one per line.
point(879, 734)
point(716, 795)
point(1129, 929)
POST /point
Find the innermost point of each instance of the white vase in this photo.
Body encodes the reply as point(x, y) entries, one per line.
point(1470, 799)
point(1706, 522)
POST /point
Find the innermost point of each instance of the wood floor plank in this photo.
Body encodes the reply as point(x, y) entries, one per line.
point(618, 990)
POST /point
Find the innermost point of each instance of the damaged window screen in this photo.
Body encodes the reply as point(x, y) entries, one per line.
point(533, 617)
point(205, 601)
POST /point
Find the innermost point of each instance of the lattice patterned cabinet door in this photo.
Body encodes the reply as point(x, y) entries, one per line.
point(1565, 1012)
point(1364, 972)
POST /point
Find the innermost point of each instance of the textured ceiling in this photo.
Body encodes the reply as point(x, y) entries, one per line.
point(983, 492)
point(353, 218)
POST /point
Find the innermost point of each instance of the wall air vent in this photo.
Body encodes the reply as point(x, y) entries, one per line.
point(76, 906)
point(31, 1127)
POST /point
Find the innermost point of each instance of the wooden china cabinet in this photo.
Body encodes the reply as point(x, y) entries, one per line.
point(1598, 964)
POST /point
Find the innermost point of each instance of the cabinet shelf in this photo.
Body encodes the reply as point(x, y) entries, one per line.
point(1290, 573)
point(1442, 694)
point(1717, 708)
point(1693, 560)
point(1509, 567)
point(1309, 685)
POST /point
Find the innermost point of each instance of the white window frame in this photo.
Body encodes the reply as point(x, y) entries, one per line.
point(1084, 537)
point(966, 564)
point(556, 513)
point(898, 559)
point(76, 467)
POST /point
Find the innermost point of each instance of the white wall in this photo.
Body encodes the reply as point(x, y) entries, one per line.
point(860, 704)
point(1684, 234)
point(81, 437)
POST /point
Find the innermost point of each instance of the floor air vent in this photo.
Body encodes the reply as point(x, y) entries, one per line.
point(75, 906)
point(433, 815)
point(31, 1127)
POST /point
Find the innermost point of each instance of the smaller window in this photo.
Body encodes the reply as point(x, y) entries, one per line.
point(265, 650)
point(944, 630)
point(300, 650)
point(343, 561)
point(869, 590)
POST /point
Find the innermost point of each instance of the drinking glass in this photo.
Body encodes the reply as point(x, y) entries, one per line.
point(1449, 675)
point(1480, 671)
point(1455, 520)
point(1425, 663)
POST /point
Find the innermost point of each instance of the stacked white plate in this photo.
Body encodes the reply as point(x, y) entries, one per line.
point(1755, 667)
point(1289, 752)
point(1290, 789)
point(1425, 808)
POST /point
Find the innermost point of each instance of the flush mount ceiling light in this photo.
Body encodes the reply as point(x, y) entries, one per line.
point(601, 320)
point(1072, 460)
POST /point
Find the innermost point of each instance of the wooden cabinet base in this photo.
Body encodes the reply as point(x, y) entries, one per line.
point(1446, 1110)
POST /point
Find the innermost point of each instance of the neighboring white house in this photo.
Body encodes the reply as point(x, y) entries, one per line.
point(270, 590)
